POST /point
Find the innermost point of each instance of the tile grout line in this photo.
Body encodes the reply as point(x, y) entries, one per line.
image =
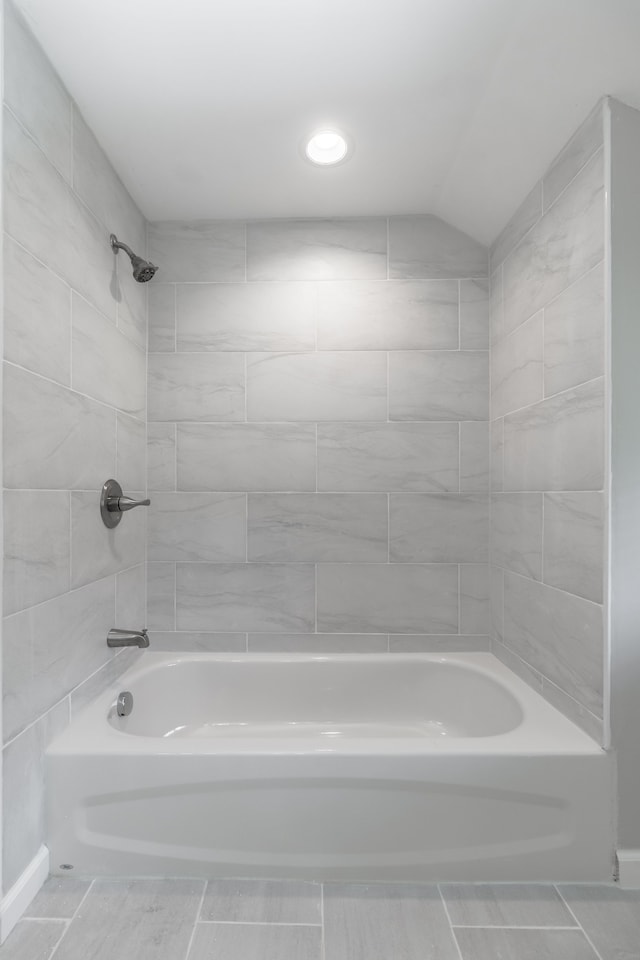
point(175, 596)
point(175, 320)
point(260, 923)
point(511, 926)
point(322, 934)
point(65, 927)
point(75, 914)
point(197, 920)
point(105, 403)
point(580, 927)
point(446, 910)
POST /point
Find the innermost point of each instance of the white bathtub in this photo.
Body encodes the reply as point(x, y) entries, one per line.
point(371, 767)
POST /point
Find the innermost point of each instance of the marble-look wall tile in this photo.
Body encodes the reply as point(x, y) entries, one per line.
point(576, 712)
point(574, 349)
point(161, 456)
point(557, 444)
point(573, 229)
point(44, 215)
point(517, 368)
point(574, 543)
point(36, 547)
point(497, 454)
point(193, 386)
point(106, 676)
point(74, 318)
point(517, 664)
point(260, 597)
point(354, 249)
point(317, 386)
point(438, 528)
point(318, 642)
point(246, 316)
point(22, 791)
point(131, 597)
point(399, 315)
point(388, 456)
point(249, 456)
point(434, 643)
point(583, 144)
point(35, 94)
point(161, 596)
point(132, 303)
point(188, 642)
point(475, 599)
point(37, 315)
point(497, 601)
point(559, 635)
point(197, 250)
point(318, 527)
point(96, 182)
point(392, 598)
point(162, 316)
point(197, 526)
point(54, 438)
point(97, 551)
point(474, 456)
point(496, 305)
point(525, 217)
point(516, 533)
point(130, 452)
point(439, 385)
point(427, 247)
point(50, 648)
point(474, 314)
point(105, 364)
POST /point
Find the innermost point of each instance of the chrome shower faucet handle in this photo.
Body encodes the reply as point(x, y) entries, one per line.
point(113, 504)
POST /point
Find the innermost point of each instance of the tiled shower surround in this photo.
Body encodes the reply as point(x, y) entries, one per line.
point(317, 415)
point(318, 403)
point(74, 415)
point(548, 432)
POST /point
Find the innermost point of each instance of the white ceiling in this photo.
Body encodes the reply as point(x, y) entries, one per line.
point(456, 107)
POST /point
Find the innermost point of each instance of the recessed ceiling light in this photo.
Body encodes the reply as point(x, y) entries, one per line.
point(326, 147)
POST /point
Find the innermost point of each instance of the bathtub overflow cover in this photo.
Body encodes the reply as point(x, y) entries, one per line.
point(124, 705)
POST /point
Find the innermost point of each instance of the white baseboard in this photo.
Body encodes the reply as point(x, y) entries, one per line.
point(629, 869)
point(14, 904)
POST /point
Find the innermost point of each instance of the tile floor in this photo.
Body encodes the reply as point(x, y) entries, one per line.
point(287, 920)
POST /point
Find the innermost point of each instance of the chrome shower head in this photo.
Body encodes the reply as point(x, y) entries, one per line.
point(143, 270)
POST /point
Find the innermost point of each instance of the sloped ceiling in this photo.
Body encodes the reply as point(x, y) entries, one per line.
point(456, 107)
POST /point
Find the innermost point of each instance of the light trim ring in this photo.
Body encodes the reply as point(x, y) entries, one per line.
point(327, 148)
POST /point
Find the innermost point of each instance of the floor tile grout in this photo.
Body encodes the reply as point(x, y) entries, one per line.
point(259, 923)
point(584, 932)
point(322, 934)
point(448, 916)
point(196, 934)
point(512, 926)
point(72, 918)
point(197, 920)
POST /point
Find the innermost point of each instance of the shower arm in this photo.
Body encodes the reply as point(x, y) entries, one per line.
point(118, 245)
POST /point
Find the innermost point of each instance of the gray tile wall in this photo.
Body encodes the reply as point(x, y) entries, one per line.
point(318, 436)
point(74, 415)
point(548, 432)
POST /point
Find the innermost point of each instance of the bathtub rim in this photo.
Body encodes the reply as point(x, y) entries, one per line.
point(543, 731)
